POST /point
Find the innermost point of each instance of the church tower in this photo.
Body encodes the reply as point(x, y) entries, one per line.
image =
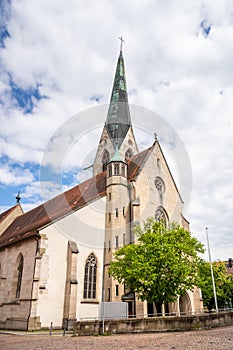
point(118, 128)
point(117, 221)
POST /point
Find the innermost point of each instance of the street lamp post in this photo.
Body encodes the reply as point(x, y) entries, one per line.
point(211, 269)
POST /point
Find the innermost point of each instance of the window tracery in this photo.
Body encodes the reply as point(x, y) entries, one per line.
point(159, 184)
point(161, 215)
point(90, 276)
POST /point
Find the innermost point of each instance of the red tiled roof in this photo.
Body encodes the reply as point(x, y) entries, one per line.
point(136, 163)
point(27, 224)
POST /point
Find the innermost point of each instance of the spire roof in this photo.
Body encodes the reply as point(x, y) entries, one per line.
point(117, 156)
point(118, 118)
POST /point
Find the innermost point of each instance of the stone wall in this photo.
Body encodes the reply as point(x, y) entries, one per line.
point(15, 311)
point(155, 324)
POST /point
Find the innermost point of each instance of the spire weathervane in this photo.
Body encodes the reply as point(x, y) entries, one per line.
point(122, 41)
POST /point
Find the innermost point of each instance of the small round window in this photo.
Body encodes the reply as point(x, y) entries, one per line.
point(159, 184)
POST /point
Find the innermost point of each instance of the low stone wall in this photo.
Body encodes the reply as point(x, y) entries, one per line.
point(154, 324)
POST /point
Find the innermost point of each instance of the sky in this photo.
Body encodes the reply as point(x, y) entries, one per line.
point(58, 59)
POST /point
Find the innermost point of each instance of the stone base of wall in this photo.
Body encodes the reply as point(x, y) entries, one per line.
point(15, 323)
point(34, 323)
point(154, 324)
point(68, 323)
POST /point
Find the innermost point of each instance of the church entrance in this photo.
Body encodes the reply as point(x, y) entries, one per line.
point(130, 299)
point(185, 304)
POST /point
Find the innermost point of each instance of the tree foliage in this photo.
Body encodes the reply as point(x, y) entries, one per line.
point(223, 285)
point(161, 265)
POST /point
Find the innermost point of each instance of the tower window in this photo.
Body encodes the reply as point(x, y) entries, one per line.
point(109, 216)
point(109, 196)
point(116, 169)
point(109, 245)
point(105, 159)
point(117, 213)
point(123, 238)
point(90, 273)
point(110, 170)
point(109, 294)
point(123, 211)
point(123, 170)
point(117, 241)
point(117, 290)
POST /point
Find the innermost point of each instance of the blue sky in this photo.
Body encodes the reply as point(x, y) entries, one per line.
point(58, 60)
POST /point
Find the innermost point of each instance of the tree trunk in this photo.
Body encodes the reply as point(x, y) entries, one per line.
point(158, 308)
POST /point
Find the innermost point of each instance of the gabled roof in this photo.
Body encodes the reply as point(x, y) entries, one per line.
point(6, 213)
point(28, 224)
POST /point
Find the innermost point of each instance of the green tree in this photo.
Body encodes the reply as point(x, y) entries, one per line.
point(223, 285)
point(161, 265)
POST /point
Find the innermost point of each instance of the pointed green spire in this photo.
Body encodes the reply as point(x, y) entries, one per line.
point(118, 118)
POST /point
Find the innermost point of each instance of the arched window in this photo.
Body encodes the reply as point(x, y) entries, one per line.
point(161, 215)
point(105, 159)
point(90, 277)
point(19, 275)
point(128, 153)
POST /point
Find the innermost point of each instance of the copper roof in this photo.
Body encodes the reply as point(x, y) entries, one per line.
point(27, 224)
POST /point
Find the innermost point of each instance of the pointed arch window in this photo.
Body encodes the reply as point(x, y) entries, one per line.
point(90, 275)
point(161, 215)
point(19, 275)
point(128, 153)
point(105, 159)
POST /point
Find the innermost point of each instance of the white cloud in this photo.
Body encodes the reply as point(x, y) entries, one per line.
point(14, 175)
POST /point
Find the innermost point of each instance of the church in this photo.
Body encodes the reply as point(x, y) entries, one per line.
point(54, 259)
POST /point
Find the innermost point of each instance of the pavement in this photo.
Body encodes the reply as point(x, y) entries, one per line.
point(213, 339)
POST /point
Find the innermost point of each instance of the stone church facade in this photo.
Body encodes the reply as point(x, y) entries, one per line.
point(48, 276)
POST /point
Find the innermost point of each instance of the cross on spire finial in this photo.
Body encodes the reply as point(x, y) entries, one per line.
point(18, 198)
point(122, 41)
